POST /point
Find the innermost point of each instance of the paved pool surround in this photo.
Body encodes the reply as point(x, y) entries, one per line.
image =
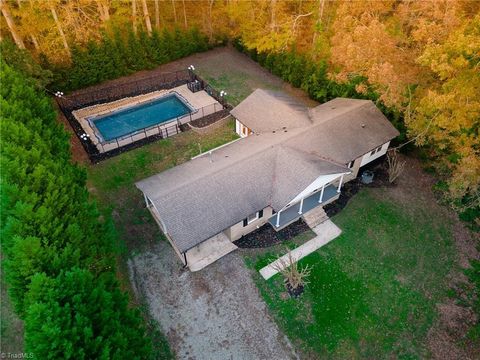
point(196, 101)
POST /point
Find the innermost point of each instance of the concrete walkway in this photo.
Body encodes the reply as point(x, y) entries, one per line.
point(326, 232)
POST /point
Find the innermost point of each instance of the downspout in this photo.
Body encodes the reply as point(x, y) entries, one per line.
point(185, 258)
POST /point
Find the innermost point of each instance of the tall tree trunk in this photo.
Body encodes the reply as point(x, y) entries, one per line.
point(174, 11)
point(100, 10)
point(273, 20)
point(319, 20)
point(210, 26)
point(59, 27)
point(146, 14)
point(134, 16)
point(184, 14)
point(35, 42)
point(11, 25)
point(157, 15)
point(106, 12)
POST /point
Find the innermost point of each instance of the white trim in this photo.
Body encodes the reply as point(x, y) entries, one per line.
point(340, 184)
point(314, 186)
point(320, 199)
point(277, 224)
point(249, 221)
point(301, 207)
point(215, 149)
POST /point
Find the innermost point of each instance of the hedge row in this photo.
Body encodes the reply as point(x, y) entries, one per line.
point(118, 55)
point(312, 77)
point(58, 254)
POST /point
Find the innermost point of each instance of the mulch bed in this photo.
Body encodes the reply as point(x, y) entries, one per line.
point(210, 119)
point(266, 236)
point(380, 179)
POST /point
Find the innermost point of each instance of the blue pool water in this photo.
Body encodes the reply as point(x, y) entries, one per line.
point(129, 120)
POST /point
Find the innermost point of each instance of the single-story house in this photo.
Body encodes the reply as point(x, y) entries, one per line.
point(290, 160)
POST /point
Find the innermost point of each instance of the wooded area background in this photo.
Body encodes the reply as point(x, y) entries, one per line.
point(420, 57)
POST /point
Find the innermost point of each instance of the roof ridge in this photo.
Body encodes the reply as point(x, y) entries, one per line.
point(361, 103)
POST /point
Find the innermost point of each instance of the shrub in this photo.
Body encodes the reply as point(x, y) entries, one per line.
point(59, 256)
point(118, 55)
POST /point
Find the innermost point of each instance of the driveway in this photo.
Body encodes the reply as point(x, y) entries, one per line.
point(216, 313)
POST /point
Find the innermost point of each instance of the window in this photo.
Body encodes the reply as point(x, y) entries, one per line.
point(376, 150)
point(251, 218)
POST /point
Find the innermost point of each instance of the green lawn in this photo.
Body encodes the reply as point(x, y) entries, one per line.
point(373, 290)
point(112, 182)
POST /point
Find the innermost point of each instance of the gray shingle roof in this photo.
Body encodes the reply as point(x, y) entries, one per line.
point(266, 111)
point(206, 195)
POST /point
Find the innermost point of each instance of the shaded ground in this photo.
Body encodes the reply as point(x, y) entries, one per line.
point(383, 288)
point(213, 314)
point(11, 327)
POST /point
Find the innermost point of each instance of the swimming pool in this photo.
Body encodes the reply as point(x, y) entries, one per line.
point(132, 119)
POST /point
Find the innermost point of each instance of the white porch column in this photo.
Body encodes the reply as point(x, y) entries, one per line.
point(321, 194)
point(340, 183)
point(301, 207)
point(278, 219)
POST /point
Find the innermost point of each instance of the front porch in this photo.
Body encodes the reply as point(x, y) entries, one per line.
point(292, 213)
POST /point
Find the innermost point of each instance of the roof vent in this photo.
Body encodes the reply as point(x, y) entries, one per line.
point(284, 127)
point(284, 130)
point(273, 131)
point(363, 125)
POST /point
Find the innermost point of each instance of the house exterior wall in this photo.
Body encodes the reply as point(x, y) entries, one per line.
point(368, 157)
point(241, 129)
point(236, 231)
point(355, 167)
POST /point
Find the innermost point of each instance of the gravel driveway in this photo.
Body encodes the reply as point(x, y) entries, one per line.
point(215, 313)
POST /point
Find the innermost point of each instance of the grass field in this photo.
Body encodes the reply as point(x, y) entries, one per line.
point(373, 290)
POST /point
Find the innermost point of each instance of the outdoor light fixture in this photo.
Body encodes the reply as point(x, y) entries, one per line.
point(59, 94)
point(223, 93)
point(191, 67)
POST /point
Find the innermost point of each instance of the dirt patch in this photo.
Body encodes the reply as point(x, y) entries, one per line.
point(79, 155)
point(216, 313)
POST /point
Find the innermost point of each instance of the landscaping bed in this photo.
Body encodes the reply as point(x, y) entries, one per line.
point(266, 236)
point(209, 119)
point(380, 170)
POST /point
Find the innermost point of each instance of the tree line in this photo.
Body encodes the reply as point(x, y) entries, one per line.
point(58, 249)
point(116, 55)
point(419, 57)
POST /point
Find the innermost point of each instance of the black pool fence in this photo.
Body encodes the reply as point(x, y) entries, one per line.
point(85, 98)
point(161, 130)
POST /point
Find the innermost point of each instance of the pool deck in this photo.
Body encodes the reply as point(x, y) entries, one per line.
point(203, 104)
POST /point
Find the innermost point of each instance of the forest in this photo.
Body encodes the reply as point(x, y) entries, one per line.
point(420, 59)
